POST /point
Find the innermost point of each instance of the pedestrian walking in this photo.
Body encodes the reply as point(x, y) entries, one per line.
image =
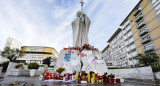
point(46, 63)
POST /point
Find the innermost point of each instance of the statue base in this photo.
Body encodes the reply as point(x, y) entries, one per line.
point(86, 58)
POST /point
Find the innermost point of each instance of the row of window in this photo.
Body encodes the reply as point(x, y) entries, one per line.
point(126, 26)
point(133, 58)
point(116, 38)
point(129, 38)
point(132, 51)
point(125, 21)
point(132, 43)
point(127, 32)
point(118, 52)
point(123, 63)
point(121, 58)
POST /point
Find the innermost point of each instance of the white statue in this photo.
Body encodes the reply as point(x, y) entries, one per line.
point(80, 27)
point(85, 60)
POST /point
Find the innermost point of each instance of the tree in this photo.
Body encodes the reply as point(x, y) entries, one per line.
point(11, 54)
point(148, 58)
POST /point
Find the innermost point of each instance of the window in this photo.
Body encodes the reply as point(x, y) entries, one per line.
point(134, 50)
point(146, 37)
point(137, 8)
point(144, 28)
point(127, 32)
point(121, 38)
point(157, 9)
point(109, 64)
point(129, 52)
point(130, 44)
point(130, 59)
point(124, 56)
point(126, 26)
point(138, 15)
point(159, 17)
point(155, 2)
point(134, 58)
point(127, 46)
point(129, 38)
point(141, 22)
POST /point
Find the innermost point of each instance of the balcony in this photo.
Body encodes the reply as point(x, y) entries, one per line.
point(143, 32)
point(147, 39)
point(147, 49)
point(137, 11)
point(140, 17)
point(139, 26)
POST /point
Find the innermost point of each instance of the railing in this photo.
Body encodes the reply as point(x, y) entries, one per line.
point(150, 48)
point(148, 39)
point(137, 11)
point(139, 18)
point(140, 25)
point(142, 32)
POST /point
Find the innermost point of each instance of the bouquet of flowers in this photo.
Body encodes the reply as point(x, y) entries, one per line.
point(85, 46)
point(19, 66)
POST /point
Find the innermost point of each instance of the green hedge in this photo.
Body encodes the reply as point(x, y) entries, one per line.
point(156, 69)
point(33, 66)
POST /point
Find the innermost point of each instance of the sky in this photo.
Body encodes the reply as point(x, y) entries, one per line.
point(48, 22)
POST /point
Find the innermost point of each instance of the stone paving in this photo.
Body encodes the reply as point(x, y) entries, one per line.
point(34, 81)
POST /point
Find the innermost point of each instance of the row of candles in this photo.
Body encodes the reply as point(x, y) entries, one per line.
point(84, 77)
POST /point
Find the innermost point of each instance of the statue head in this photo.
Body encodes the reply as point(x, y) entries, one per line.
point(79, 13)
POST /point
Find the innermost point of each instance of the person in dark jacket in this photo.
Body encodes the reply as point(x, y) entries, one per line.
point(48, 61)
point(46, 64)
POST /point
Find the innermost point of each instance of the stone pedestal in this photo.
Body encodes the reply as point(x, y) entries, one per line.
point(91, 60)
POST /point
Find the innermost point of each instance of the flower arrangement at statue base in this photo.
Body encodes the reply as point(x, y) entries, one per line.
point(84, 47)
point(19, 66)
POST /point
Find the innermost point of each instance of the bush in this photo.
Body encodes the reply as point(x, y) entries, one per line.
point(24, 63)
point(156, 69)
point(60, 70)
point(33, 66)
point(1, 65)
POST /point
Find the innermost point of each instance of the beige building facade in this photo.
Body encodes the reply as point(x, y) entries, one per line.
point(141, 33)
point(37, 54)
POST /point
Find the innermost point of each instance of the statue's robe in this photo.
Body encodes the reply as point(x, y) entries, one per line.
point(80, 27)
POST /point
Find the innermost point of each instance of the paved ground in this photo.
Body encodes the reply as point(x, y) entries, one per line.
point(33, 81)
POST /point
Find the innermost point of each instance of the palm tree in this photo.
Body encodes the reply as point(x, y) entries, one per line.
point(11, 54)
point(148, 58)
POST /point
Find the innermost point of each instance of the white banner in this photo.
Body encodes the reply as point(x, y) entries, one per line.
point(100, 61)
